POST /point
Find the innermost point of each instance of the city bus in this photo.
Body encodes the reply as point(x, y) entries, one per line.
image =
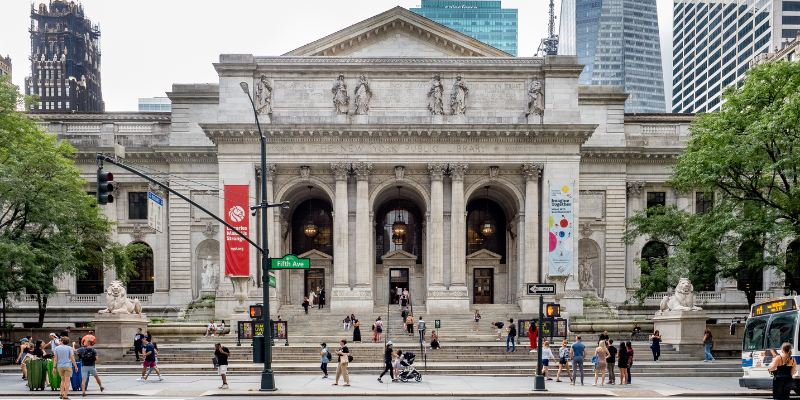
point(770, 324)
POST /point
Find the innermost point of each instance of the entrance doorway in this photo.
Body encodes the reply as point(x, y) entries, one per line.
point(398, 278)
point(314, 279)
point(483, 286)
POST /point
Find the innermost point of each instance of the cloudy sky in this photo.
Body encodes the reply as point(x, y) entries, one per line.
point(148, 45)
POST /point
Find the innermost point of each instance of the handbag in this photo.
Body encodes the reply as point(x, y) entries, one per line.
point(215, 362)
point(349, 358)
point(594, 360)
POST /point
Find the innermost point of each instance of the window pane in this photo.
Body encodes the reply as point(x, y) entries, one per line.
point(781, 330)
point(754, 333)
point(656, 199)
point(703, 202)
point(137, 205)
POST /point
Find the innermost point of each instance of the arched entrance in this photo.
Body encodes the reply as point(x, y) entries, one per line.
point(590, 269)
point(142, 281)
point(312, 233)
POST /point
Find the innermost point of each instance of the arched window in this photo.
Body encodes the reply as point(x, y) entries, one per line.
point(654, 254)
point(90, 281)
point(312, 227)
point(793, 266)
point(398, 227)
point(142, 280)
point(751, 258)
point(486, 227)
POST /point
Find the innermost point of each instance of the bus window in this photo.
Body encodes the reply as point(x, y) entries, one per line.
point(754, 333)
point(781, 330)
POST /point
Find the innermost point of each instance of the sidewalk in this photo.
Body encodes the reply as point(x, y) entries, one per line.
point(432, 385)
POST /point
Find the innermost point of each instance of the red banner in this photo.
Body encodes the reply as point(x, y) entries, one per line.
point(237, 250)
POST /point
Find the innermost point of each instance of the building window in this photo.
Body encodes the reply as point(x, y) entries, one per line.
point(312, 227)
point(137, 205)
point(703, 201)
point(656, 199)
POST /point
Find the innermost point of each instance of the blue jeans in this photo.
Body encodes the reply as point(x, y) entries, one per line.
point(707, 350)
point(577, 363)
point(510, 339)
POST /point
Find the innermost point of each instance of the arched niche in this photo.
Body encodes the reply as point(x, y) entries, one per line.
point(207, 268)
point(590, 268)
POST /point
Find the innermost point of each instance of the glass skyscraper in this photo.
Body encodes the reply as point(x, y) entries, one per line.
point(483, 20)
point(618, 42)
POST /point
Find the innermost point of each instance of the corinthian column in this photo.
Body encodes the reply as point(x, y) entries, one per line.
point(340, 226)
point(436, 232)
point(458, 266)
point(363, 231)
point(530, 264)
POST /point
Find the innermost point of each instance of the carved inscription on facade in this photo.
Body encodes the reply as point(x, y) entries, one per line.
point(397, 148)
point(593, 204)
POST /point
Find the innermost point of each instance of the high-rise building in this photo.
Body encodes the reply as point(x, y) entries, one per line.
point(617, 42)
point(65, 60)
point(486, 21)
point(155, 104)
point(5, 67)
point(716, 41)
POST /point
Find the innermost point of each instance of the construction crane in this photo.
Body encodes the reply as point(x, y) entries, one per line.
point(549, 45)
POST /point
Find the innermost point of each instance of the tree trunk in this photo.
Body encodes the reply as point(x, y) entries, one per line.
point(751, 296)
point(41, 303)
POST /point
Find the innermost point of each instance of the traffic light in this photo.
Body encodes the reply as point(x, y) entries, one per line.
point(105, 186)
point(553, 310)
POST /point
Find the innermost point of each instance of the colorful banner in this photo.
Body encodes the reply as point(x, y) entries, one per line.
point(560, 231)
point(237, 250)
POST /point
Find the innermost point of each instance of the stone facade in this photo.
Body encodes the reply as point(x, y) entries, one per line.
point(394, 160)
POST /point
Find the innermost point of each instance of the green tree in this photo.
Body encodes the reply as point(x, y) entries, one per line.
point(49, 226)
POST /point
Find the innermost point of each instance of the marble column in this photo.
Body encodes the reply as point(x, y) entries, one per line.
point(436, 233)
point(529, 260)
point(635, 203)
point(363, 230)
point(458, 222)
point(340, 226)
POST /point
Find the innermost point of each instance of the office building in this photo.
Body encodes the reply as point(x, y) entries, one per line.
point(715, 42)
point(5, 67)
point(65, 60)
point(155, 104)
point(618, 43)
point(486, 21)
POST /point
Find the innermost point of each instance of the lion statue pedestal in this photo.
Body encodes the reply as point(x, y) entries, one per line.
point(680, 322)
point(115, 325)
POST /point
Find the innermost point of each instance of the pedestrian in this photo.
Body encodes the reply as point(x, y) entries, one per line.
point(435, 340)
point(312, 296)
point(54, 341)
point(221, 328)
point(396, 357)
point(655, 345)
point(324, 358)
point(398, 292)
point(356, 331)
point(88, 338)
point(137, 342)
point(221, 353)
point(305, 304)
point(344, 361)
point(622, 363)
point(499, 328)
point(476, 318)
point(88, 356)
point(600, 362)
point(629, 346)
point(783, 369)
point(403, 315)
point(577, 352)
point(611, 360)
point(421, 329)
point(511, 337)
point(63, 365)
point(533, 335)
point(374, 334)
point(410, 324)
point(24, 351)
point(148, 336)
point(387, 362)
point(149, 354)
point(563, 358)
point(378, 329)
point(547, 354)
point(404, 300)
point(322, 298)
point(708, 344)
point(345, 322)
point(211, 328)
point(636, 331)
point(38, 349)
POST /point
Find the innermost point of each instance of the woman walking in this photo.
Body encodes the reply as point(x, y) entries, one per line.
point(622, 363)
point(324, 358)
point(547, 354)
point(378, 329)
point(388, 353)
point(344, 362)
point(410, 324)
point(476, 319)
point(356, 331)
point(708, 344)
point(783, 368)
point(563, 358)
point(533, 335)
point(312, 297)
point(655, 345)
point(600, 365)
point(629, 346)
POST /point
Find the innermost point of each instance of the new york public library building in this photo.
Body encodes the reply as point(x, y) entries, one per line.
point(410, 155)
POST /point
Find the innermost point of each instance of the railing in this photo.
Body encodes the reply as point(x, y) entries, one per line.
point(713, 298)
point(27, 298)
point(83, 298)
point(143, 298)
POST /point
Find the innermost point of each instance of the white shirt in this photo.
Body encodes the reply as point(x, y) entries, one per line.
point(547, 353)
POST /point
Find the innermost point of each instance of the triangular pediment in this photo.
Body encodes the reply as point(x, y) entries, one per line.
point(399, 255)
point(398, 33)
point(315, 255)
point(484, 254)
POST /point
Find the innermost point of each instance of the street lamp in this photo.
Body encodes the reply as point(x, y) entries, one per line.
point(267, 377)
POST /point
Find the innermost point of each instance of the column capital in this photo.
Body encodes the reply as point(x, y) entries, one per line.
point(532, 171)
point(271, 168)
point(457, 171)
point(437, 170)
point(362, 170)
point(340, 170)
point(635, 188)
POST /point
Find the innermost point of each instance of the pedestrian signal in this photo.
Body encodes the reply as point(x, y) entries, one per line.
point(553, 310)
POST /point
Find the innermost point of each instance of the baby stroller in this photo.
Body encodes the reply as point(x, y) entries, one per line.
point(409, 372)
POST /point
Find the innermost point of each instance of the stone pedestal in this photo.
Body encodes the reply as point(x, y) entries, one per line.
point(345, 300)
point(572, 304)
point(115, 332)
point(682, 329)
point(443, 301)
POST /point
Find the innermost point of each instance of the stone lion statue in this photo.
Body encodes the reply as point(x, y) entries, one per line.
point(117, 301)
point(682, 299)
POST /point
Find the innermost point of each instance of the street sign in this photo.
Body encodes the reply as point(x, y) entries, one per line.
point(154, 206)
point(271, 280)
point(539, 289)
point(290, 261)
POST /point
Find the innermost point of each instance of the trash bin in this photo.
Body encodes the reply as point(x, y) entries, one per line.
point(258, 349)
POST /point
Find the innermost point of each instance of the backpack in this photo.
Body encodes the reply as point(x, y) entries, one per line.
point(328, 355)
point(88, 356)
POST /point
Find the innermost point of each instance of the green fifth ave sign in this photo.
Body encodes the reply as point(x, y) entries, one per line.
point(290, 261)
point(271, 280)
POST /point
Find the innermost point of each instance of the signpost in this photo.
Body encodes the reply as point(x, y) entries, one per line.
point(540, 289)
point(290, 261)
point(154, 206)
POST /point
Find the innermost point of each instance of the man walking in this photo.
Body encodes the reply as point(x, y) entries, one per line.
point(88, 357)
point(149, 355)
point(578, 351)
point(511, 337)
point(421, 329)
point(63, 363)
point(321, 298)
point(221, 353)
point(88, 338)
point(137, 343)
point(387, 362)
point(611, 361)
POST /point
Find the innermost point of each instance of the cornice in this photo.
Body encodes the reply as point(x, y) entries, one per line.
point(590, 94)
point(660, 117)
point(630, 155)
point(513, 133)
point(100, 117)
point(158, 154)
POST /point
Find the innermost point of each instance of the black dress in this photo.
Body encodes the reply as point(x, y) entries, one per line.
point(357, 334)
point(782, 381)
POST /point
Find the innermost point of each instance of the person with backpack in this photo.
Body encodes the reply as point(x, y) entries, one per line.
point(324, 357)
point(511, 337)
point(137, 343)
point(88, 356)
point(149, 353)
point(387, 362)
point(221, 354)
point(499, 326)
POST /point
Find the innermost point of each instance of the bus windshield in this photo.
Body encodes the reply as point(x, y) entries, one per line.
point(781, 330)
point(754, 333)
